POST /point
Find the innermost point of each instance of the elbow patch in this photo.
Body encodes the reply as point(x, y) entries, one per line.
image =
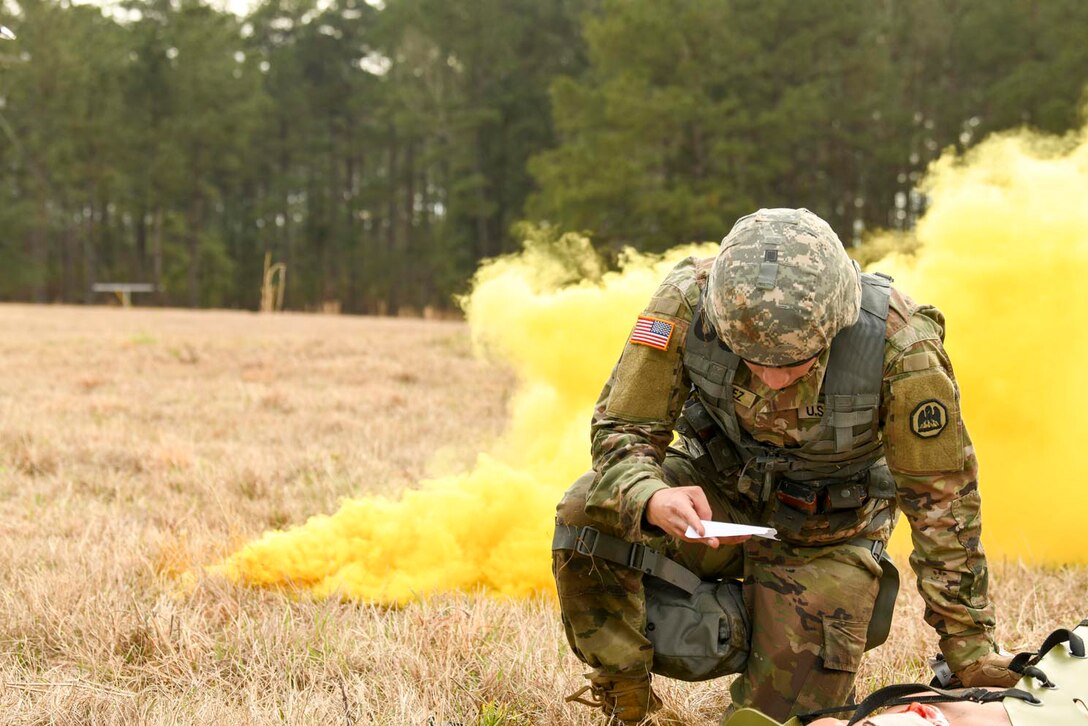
point(923, 433)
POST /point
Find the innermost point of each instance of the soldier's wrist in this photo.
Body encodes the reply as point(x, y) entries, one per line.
point(640, 495)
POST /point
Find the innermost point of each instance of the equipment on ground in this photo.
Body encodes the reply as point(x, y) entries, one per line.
point(123, 290)
point(1052, 692)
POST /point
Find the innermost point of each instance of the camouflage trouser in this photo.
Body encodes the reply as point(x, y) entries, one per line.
point(810, 606)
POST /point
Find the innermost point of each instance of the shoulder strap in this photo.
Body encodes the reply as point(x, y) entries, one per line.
point(856, 363)
point(712, 367)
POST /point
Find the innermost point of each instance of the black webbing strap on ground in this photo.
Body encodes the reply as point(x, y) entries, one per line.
point(904, 693)
point(591, 542)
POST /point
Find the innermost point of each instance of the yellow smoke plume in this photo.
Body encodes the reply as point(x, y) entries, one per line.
point(559, 321)
point(1003, 252)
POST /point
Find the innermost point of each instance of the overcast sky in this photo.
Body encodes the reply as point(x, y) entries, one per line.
point(238, 7)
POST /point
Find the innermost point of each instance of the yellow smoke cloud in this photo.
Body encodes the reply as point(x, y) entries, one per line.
point(559, 321)
point(1004, 253)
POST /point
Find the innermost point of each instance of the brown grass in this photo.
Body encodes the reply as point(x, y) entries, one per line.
point(135, 444)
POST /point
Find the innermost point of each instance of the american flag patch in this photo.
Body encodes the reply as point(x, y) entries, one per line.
point(652, 332)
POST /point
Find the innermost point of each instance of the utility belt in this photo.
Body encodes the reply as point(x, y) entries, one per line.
point(823, 496)
point(765, 475)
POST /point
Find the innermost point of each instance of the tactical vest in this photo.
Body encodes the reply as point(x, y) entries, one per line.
point(846, 443)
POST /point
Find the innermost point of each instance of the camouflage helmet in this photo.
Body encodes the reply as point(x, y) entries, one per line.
point(782, 287)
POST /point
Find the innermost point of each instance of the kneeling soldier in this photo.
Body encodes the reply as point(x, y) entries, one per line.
point(808, 397)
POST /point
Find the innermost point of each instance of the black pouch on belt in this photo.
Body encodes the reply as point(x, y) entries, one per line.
point(847, 495)
point(881, 483)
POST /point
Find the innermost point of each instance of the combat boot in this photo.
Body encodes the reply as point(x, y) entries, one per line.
point(624, 700)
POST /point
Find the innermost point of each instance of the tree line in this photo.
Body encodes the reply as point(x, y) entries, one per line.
point(381, 150)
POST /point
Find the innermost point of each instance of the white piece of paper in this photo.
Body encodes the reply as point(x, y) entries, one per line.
point(728, 529)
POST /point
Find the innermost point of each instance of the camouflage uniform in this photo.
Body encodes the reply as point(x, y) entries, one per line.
point(810, 596)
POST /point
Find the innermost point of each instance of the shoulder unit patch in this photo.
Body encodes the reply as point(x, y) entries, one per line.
point(652, 332)
point(928, 418)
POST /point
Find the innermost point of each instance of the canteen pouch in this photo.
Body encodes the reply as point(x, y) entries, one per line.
point(699, 636)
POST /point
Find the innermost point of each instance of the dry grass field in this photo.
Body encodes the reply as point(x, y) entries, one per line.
point(135, 444)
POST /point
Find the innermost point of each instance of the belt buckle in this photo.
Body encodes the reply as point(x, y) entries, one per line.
point(584, 544)
point(637, 557)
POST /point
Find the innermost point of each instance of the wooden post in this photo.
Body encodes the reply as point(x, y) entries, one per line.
point(272, 288)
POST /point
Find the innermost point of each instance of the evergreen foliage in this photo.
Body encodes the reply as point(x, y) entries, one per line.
point(382, 150)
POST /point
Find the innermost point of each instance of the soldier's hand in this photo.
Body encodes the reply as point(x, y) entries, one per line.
point(675, 509)
point(991, 669)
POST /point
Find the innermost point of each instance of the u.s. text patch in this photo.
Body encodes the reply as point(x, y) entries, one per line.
point(652, 332)
point(928, 418)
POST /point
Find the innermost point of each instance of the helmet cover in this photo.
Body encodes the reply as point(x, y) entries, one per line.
point(782, 287)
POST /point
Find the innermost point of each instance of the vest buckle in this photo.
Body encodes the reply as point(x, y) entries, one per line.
point(637, 556)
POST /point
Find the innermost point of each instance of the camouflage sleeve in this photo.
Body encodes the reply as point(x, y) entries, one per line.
point(936, 473)
point(634, 417)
